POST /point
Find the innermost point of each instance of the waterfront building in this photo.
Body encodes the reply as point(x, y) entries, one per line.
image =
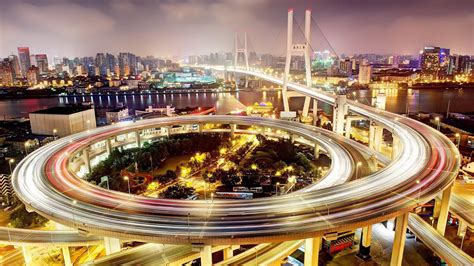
point(33, 75)
point(24, 56)
point(365, 73)
point(62, 121)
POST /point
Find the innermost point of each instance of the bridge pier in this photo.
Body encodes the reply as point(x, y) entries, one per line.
point(347, 132)
point(316, 151)
point(375, 137)
point(462, 228)
point(200, 126)
point(401, 223)
point(311, 251)
point(206, 255)
point(232, 130)
point(444, 210)
point(137, 138)
point(339, 114)
point(108, 146)
point(27, 255)
point(86, 159)
point(66, 256)
point(112, 245)
point(395, 145)
point(436, 208)
point(315, 112)
point(364, 248)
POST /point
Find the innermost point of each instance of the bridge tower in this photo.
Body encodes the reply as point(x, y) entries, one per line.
point(297, 49)
point(244, 51)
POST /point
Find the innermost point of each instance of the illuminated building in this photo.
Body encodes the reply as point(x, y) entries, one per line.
point(365, 73)
point(62, 121)
point(42, 63)
point(24, 55)
point(33, 75)
point(6, 72)
point(15, 63)
point(434, 62)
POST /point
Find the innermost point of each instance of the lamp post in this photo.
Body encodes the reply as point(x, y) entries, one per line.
point(437, 123)
point(432, 221)
point(10, 162)
point(276, 188)
point(128, 183)
point(357, 169)
point(54, 133)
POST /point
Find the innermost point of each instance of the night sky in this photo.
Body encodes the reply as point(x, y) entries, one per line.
point(168, 28)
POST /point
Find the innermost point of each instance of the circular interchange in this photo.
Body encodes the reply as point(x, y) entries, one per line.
point(45, 184)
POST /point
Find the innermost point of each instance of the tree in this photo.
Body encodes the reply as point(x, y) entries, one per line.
point(177, 192)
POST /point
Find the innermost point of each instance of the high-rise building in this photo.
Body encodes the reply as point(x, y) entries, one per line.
point(434, 62)
point(124, 64)
point(15, 64)
point(6, 73)
point(110, 62)
point(6, 189)
point(100, 62)
point(33, 75)
point(42, 63)
point(345, 67)
point(365, 73)
point(24, 56)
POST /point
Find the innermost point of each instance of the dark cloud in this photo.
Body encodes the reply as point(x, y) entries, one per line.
point(180, 27)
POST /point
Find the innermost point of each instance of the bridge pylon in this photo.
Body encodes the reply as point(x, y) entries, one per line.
point(244, 51)
point(297, 49)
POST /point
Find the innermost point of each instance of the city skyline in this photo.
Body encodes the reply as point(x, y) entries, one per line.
point(188, 26)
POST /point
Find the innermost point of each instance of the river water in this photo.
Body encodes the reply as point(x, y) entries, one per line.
point(427, 100)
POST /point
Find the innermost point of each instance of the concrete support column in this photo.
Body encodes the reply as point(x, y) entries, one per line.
point(348, 128)
point(395, 145)
point(311, 251)
point(401, 223)
point(200, 126)
point(108, 146)
point(27, 255)
point(444, 210)
point(292, 138)
point(232, 130)
point(167, 131)
point(339, 115)
point(375, 137)
point(206, 255)
point(87, 160)
point(366, 238)
point(316, 150)
point(228, 253)
point(378, 138)
point(112, 245)
point(137, 139)
point(436, 208)
point(315, 112)
point(462, 228)
point(67, 256)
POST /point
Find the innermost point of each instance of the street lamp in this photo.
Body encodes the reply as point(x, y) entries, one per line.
point(128, 183)
point(357, 169)
point(54, 133)
point(276, 188)
point(437, 123)
point(212, 197)
point(432, 221)
point(10, 162)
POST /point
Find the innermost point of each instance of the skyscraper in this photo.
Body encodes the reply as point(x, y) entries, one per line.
point(434, 62)
point(365, 73)
point(15, 64)
point(42, 63)
point(124, 64)
point(24, 55)
point(33, 75)
point(100, 62)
